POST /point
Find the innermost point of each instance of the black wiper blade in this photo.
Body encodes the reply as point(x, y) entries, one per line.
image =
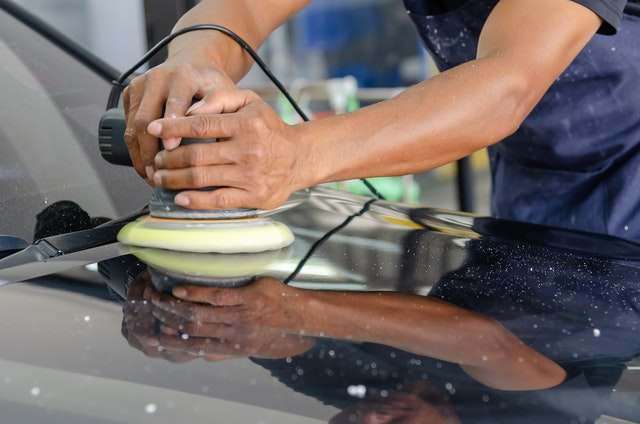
point(54, 247)
point(51, 247)
point(10, 244)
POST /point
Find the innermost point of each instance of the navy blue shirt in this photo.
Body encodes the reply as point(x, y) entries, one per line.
point(575, 161)
point(610, 11)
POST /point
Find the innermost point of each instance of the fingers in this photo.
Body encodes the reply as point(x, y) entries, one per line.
point(151, 105)
point(201, 347)
point(200, 126)
point(179, 99)
point(212, 296)
point(222, 198)
point(183, 310)
point(200, 177)
point(223, 101)
point(132, 99)
point(137, 288)
point(173, 325)
point(194, 155)
point(185, 313)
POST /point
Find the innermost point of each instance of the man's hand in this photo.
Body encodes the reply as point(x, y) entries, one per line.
point(215, 324)
point(266, 303)
point(170, 87)
point(259, 160)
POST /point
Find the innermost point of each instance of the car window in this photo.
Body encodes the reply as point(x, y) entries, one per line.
point(50, 109)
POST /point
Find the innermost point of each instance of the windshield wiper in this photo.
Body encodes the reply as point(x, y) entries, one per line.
point(10, 245)
point(19, 266)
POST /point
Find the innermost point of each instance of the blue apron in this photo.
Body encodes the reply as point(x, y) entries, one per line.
point(574, 162)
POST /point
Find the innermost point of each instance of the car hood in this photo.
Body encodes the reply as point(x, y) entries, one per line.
point(570, 297)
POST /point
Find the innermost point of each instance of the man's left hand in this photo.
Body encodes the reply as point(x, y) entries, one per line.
point(258, 161)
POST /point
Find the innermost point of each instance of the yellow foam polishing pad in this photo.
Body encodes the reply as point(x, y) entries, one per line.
point(209, 264)
point(250, 235)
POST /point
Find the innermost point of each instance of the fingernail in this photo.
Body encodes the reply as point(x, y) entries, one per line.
point(171, 143)
point(179, 292)
point(182, 200)
point(157, 178)
point(195, 106)
point(155, 128)
point(159, 160)
point(149, 171)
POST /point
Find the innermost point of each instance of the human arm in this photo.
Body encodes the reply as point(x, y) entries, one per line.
point(198, 62)
point(524, 46)
point(421, 325)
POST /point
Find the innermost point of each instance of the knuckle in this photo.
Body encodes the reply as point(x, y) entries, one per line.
point(130, 136)
point(196, 155)
point(197, 177)
point(222, 201)
point(200, 126)
point(255, 153)
point(184, 69)
point(250, 94)
point(257, 124)
point(176, 102)
point(261, 192)
point(137, 83)
point(140, 124)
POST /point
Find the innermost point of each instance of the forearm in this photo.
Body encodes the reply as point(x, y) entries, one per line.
point(252, 23)
point(430, 124)
point(432, 328)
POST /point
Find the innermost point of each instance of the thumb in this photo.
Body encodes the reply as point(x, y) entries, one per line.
point(223, 101)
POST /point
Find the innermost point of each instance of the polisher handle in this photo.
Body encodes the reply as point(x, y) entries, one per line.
point(113, 147)
point(111, 142)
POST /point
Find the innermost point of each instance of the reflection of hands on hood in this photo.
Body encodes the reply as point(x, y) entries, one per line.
point(212, 323)
point(267, 318)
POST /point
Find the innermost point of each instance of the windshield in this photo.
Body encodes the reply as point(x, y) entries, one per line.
point(48, 132)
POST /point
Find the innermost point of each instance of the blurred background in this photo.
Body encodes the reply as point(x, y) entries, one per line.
point(336, 56)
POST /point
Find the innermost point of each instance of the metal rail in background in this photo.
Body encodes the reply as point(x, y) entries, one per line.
point(66, 44)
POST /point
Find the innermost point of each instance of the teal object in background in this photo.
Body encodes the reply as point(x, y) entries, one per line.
point(392, 188)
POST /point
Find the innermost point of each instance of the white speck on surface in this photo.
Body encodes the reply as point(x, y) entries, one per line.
point(626, 228)
point(358, 391)
point(184, 336)
point(151, 408)
point(87, 318)
point(596, 332)
point(485, 398)
point(35, 391)
point(485, 358)
point(613, 49)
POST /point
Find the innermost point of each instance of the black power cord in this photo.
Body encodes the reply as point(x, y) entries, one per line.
point(121, 82)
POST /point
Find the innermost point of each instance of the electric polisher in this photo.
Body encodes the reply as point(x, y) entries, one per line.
point(169, 269)
point(170, 226)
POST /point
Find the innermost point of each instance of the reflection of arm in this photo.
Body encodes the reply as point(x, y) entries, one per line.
point(482, 347)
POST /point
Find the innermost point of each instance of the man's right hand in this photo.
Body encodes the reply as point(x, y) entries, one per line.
point(165, 91)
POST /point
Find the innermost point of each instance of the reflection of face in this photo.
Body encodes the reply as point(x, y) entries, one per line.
point(406, 408)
